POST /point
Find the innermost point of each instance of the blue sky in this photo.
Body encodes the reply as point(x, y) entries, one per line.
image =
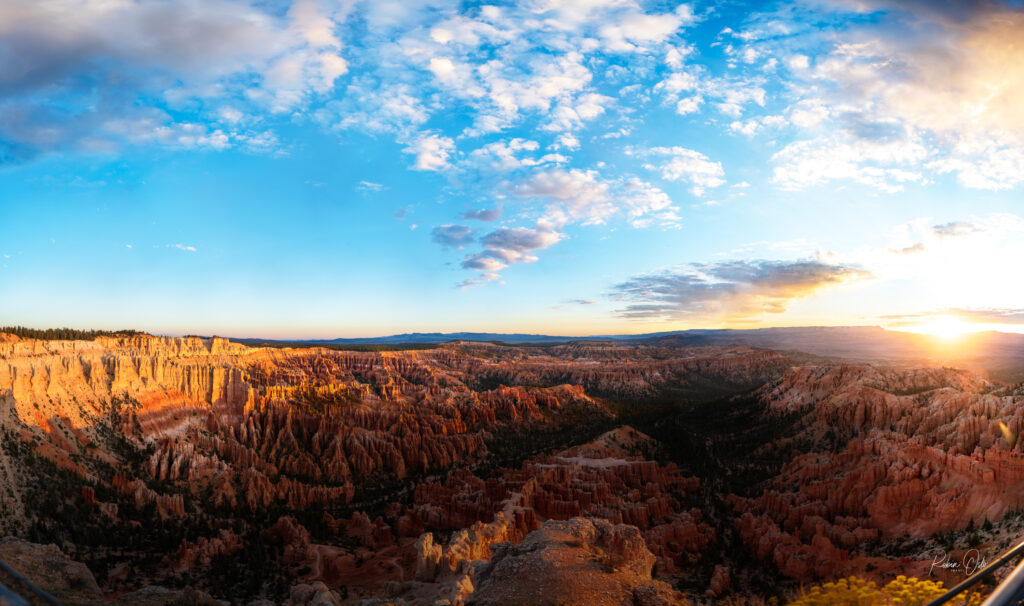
point(321, 169)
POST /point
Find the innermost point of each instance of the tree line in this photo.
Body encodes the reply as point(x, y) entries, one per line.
point(66, 334)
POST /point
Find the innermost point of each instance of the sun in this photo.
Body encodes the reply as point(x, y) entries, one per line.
point(944, 327)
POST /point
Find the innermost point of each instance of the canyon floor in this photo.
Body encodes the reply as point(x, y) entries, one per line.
point(151, 470)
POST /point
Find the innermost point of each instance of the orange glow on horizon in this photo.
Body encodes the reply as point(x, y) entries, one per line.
point(945, 327)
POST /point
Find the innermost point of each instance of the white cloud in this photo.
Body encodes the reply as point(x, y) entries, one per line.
point(583, 196)
point(798, 62)
point(186, 53)
point(395, 108)
point(567, 141)
point(678, 82)
point(982, 164)
point(510, 155)
point(884, 165)
point(574, 194)
point(431, 150)
point(634, 31)
point(731, 95)
point(568, 197)
point(687, 165)
point(944, 80)
point(573, 115)
point(676, 56)
point(689, 105)
point(647, 205)
point(153, 128)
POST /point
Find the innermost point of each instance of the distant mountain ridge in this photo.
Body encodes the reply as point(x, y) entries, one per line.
point(699, 334)
point(1001, 354)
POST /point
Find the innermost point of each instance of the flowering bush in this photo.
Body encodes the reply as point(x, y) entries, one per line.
point(900, 592)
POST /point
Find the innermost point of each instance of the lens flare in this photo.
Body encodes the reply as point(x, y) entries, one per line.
point(1009, 436)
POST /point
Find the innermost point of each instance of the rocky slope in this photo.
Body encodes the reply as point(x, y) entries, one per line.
point(339, 467)
point(575, 562)
point(322, 476)
point(908, 454)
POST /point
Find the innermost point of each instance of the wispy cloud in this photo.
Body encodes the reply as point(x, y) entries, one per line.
point(370, 186)
point(973, 315)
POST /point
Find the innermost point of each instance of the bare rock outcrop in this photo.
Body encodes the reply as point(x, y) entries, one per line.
point(578, 561)
point(49, 569)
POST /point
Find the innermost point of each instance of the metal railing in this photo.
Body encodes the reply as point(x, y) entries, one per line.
point(1009, 592)
point(19, 591)
point(9, 598)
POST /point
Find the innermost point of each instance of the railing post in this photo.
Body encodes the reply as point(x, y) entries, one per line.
point(974, 579)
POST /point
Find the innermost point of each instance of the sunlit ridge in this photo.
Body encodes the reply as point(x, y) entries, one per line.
point(945, 327)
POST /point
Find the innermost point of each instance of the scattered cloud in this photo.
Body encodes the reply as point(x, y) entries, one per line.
point(508, 155)
point(117, 72)
point(566, 197)
point(183, 247)
point(505, 246)
point(432, 151)
point(452, 236)
point(735, 290)
point(937, 98)
point(687, 165)
point(884, 165)
point(483, 214)
point(572, 195)
point(528, 107)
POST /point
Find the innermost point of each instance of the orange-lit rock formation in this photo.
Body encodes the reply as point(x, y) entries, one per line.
point(422, 475)
point(917, 452)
